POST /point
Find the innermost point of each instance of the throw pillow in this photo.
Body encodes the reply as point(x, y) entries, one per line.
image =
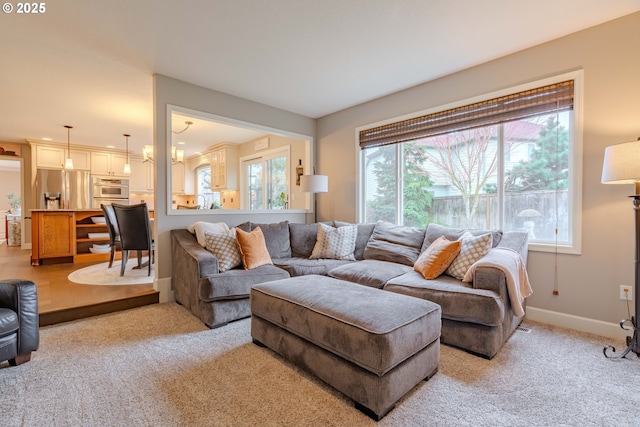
point(335, 243)
point(200, 227)
point(276, 235)
point(253, 248)
point(438, 256)
point(472, 249)
point(224, 247)
point(394, 243)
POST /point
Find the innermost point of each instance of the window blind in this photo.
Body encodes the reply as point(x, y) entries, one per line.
point(520, 105)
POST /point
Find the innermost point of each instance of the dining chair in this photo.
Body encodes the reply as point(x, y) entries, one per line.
point(135, 232)
point(112, 228)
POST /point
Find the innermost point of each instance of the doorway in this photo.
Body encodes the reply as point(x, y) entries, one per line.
point(11, 197)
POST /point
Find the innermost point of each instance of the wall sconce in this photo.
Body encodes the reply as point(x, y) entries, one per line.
point(299, 171)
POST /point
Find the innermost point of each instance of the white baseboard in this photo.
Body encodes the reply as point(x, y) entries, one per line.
point(164, 286)
point(583, 324)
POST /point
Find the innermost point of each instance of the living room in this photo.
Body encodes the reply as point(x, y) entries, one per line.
point(571, 290)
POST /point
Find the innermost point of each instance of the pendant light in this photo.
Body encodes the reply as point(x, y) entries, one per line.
point(127, 166)
point(68, 163)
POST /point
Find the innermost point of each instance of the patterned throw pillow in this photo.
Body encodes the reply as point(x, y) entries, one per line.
point(437, 257)
point(335, 243)
point(224, 247)
point(472, 249)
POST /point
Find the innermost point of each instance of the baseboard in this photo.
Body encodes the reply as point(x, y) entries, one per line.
point(164, 287)
point(583, 324)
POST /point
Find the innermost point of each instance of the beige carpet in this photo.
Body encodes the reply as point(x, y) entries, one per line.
point(159, 366)
point(101, 274)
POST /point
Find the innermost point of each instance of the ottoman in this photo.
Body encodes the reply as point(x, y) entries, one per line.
point(371, 345)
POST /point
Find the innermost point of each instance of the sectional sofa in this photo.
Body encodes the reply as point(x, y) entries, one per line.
point(477, 315)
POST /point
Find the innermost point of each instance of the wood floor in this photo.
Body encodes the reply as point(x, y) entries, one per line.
point(60, 300)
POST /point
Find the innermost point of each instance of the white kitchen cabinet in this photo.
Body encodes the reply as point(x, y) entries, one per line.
point(81, 159)
point(224, 169)
point(141, 179)
point(109, 164)
point(51, 157)
point(178, 178)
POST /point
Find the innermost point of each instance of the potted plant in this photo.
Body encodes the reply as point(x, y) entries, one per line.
point(15, 204)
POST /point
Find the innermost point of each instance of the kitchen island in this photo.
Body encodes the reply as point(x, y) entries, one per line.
point(62, 235)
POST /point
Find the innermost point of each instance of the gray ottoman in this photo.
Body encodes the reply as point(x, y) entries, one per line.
point(372, 345)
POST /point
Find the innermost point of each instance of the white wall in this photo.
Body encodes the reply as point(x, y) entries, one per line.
point(588, 283)
point(168, 91)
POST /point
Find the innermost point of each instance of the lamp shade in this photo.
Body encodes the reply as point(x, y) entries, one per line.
point(314, 183)
point(621, 163)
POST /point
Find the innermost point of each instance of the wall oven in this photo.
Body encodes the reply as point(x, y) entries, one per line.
point(108, 190)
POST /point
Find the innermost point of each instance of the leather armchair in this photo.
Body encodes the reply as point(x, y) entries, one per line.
point(19, 322)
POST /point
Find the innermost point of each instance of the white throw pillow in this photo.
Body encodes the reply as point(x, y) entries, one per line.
point(224, 247)
point(472, 249)
point(335, 243)
point(200, 227)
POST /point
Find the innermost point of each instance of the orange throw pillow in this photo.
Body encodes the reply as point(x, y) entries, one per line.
point(253, 248)
point(437, 257)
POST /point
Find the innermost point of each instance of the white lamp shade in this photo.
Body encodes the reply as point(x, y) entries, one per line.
point(68, 163)
point(127, 169)
point(314, 183)
point(621, 163)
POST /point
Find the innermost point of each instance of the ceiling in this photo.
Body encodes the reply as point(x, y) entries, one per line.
point(90, 63)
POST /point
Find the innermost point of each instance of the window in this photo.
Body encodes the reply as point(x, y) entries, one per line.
point(206, 197)
point(506, 162)
point(266, 179)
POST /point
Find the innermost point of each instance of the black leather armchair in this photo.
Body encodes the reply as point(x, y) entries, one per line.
point(19, 322)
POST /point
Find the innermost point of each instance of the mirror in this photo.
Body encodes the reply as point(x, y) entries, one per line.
point(223, 164)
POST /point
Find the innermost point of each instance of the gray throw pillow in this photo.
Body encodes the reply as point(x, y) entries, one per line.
point(435, 231)
point(276, 237)
point(302, 237)
point(395, 243)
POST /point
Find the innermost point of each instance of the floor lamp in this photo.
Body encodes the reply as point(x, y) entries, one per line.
point(314, 184)
point(622, 166)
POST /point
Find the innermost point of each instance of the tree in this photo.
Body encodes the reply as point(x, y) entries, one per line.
point(467, 163)
point(416, 196)
point(548, 166)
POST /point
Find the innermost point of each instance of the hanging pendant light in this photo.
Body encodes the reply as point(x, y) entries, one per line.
point(68, 163)
point(127, 166)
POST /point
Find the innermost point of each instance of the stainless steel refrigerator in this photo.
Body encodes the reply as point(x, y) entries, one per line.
point(63, 189)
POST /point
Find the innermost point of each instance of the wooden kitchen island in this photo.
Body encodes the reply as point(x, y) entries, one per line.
point(62, 235)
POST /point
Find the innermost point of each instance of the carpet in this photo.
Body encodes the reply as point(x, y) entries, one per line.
point(100, 274)
point(159, 365)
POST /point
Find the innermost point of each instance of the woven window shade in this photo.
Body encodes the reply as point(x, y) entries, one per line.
point(557, 96)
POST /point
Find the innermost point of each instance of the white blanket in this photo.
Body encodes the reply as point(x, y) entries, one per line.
point(511, 263)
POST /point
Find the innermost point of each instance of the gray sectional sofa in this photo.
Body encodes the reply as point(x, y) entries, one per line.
point(476, 316)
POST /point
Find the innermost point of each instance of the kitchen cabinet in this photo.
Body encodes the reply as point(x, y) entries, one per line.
point(108, 164)
point(224, 169)
point(53, 235)
point(141, 179)
point(63, 236)
point(178, 178)
point(51, 157)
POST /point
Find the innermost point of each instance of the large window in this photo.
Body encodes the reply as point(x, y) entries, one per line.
point(266, 179)
point(516, 171)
